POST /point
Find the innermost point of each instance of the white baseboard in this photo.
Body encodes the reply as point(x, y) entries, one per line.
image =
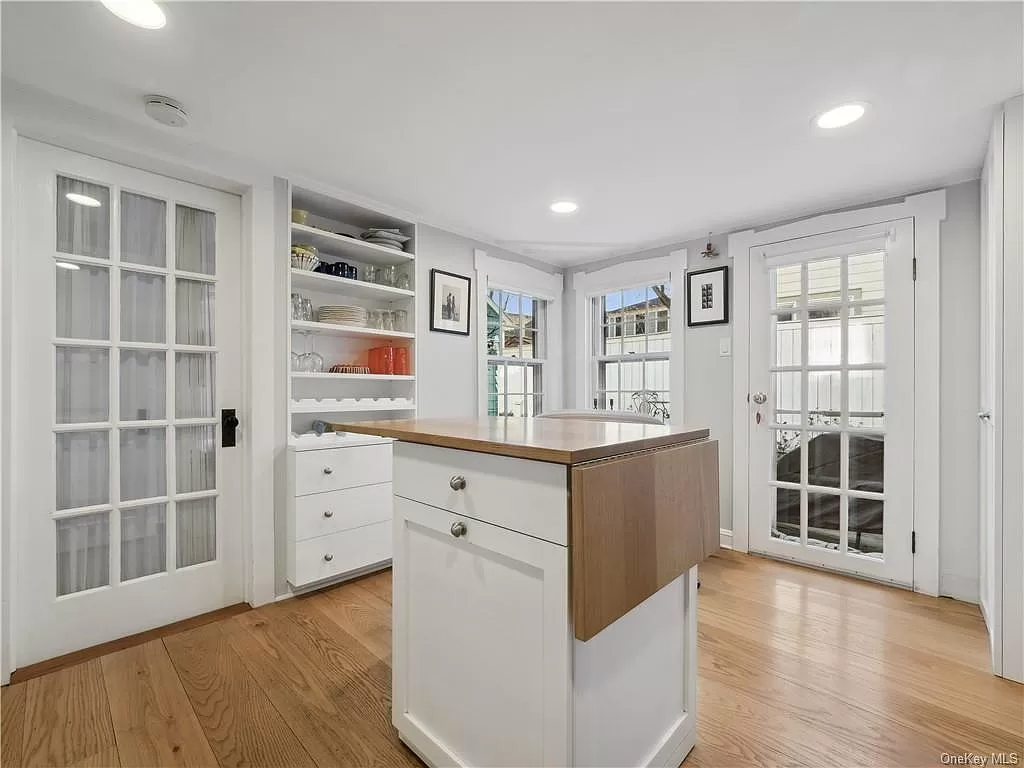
point(966, 588)
point(725, 542)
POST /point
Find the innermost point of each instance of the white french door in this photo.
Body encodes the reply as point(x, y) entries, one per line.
point(126, 347)
point(831, 401)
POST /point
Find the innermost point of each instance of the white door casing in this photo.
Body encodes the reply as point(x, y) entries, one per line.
point(831, 377)
point(927, 210)
point(166, 444)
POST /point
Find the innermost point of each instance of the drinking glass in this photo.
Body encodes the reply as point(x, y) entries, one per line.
point(296, 306)
point(387, 320)
point(401, 320)
point(388, 274)
point(307, 309)
point(403, 281)
point(373, 318)
point(371, 274)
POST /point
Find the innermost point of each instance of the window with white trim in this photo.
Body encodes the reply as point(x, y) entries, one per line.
point(516, 349)
point(632, 350)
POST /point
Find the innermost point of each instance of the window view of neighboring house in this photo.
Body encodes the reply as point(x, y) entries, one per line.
point(516, 350)
point(632, 350)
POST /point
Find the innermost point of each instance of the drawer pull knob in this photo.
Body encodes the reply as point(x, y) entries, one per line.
point(458, 482)
point(328, 471)
point(328, 557)
point(328, 513)
point(458, 529)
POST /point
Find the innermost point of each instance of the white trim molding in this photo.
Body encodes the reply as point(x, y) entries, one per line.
point(725, 540)
point(587, 285)
point(927, 210)
point(511, 275)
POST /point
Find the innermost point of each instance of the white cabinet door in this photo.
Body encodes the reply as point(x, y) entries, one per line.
point(478, 613)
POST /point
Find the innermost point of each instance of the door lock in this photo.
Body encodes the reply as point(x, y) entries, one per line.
point(228, 425)
point(760, 398)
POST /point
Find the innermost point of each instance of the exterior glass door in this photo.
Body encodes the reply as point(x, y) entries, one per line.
point(831, 477)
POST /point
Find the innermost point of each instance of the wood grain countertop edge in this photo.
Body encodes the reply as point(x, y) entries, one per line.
point(564, 456)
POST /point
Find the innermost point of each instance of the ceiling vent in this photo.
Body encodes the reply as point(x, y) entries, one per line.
point(166, 111)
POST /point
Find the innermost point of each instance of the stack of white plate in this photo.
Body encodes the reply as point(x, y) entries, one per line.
point(389, 238)
point(342, 315)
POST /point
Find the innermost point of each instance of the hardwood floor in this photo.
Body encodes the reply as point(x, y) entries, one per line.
point(797, 667)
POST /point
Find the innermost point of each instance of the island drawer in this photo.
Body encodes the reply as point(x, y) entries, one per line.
point(319, 514)
point(325, 556)
point(530, 497)
point(333, 469)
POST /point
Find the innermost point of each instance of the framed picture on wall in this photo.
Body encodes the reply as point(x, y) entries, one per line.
point(707, 293)
point(449, 302)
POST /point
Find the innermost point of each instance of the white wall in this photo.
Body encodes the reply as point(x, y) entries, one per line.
point(959, 273)
point(447, 365)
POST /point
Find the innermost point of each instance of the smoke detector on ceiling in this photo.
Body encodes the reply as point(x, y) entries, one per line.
point(166, 111)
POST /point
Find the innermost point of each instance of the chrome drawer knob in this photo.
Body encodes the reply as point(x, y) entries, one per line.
point(328, 557)
point(328, 513)
point(458, 482)
point(458, 529)
point(328, 471)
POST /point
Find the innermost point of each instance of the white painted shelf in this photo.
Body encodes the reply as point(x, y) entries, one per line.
point(351, 376)
point(350, 406)
point(353, 248)
point(315, 281)
point(347, 331)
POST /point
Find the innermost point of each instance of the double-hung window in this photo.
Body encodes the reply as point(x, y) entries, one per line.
point(632, 348)
point(516, 353)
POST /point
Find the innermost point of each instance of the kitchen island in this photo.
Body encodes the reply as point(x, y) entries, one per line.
point(545, 602)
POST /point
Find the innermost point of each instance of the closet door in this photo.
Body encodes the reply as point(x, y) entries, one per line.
point(126, 347)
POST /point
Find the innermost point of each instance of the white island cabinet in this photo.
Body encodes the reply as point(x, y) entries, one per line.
point(544, 603)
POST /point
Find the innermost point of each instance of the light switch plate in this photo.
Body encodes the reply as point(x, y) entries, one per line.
point(725, 347)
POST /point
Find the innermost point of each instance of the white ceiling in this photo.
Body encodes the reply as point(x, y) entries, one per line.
point(662, 120)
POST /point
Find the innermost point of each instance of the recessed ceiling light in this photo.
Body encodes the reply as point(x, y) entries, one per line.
point(68, 265)
point(564, 206)
point(141, 13)
point(840, 116)
point(91, 202)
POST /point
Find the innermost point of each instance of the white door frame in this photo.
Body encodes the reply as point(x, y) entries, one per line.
point(44, 118)
point(928, 210)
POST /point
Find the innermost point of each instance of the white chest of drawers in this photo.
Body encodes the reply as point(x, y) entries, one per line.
point(339, 511)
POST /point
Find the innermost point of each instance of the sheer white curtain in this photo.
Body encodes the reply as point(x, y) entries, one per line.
point(143, 307)
point(143, 541)
point(194, 385)
point(83, 469)
point(195, 240)
point(83, 221)
point(143, 463)
point(143, 230)
point(83, 385)
point(197, 531)
point(143, 385)
point(83, 552)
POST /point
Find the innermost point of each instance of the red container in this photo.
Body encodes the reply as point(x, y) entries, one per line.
point(402, 367)
point(388, 360)
point(375, 361)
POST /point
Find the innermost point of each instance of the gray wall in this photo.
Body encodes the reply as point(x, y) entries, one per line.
point(446, 363)
point(708, 383)
point(960, 310)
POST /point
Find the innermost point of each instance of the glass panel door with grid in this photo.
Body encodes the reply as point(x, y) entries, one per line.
point(831, 429)
point(127, 339)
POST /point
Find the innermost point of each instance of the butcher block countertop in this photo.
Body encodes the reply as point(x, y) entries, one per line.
point(560, 441)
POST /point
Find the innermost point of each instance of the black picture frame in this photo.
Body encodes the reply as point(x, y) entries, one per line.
point(723, 301)
point(460, 305)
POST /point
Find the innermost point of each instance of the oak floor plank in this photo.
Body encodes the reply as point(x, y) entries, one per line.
point(151, 714)
point(327, 711)
point(67, 717)
point(362, 614)
point(240, 723)
point(12, 726)
point(379, 583)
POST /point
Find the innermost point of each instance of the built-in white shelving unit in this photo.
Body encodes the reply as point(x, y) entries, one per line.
point(338, 510)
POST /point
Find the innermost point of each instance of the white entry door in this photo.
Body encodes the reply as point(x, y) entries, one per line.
point(831, 401)
point(126, 348)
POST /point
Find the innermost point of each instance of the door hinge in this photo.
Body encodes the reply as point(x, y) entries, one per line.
point(913, 542)
point(915, 267)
